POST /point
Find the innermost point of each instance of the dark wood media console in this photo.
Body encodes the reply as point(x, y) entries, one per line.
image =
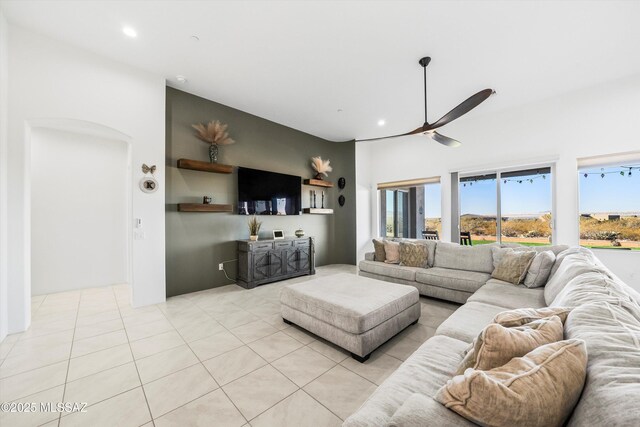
point(266, 261)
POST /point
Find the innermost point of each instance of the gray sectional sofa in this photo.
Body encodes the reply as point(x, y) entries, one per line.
point(605, 314)
point(455, 272)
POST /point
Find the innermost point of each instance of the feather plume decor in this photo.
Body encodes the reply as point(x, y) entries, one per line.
point(321, 166)
point(213, 133)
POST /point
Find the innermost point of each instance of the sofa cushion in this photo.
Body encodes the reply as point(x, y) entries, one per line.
point(569, 251)
point(468, 281)
point(425, 371)
point(390, 270)
point(413, 255)
point(540, 269)
point(572, 265)
point(538, 389)
point(598, 287)
point(378, 249)
point(496, 344)
point(351, 303)
point(521, 316)
point(503, 294)
point(513, 265)
point(468, 258)
point(466, 322)
point(612, 334)
point(420, 410)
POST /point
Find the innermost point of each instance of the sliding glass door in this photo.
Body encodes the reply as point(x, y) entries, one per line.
point(396, 215)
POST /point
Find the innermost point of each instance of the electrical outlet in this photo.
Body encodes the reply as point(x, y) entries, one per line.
point(220, 266)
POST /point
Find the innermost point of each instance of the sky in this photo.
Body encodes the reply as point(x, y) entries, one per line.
point(525, 198)
point(613, 193)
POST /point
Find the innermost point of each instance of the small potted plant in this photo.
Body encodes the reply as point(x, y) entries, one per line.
point(321, 167)
point(214, 133)
point(254, 228)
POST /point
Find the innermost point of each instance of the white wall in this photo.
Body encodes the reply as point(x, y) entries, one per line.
point(595, 121)
point(51, 80)
point(79, 211)
point(3, 176)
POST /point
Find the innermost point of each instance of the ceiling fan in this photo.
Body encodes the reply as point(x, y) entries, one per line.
point(429, 129)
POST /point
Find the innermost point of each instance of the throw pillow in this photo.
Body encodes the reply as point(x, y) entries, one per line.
point(540, 269)
point(513, 266)
point(497, 252)
point(413, 255)
point(496, 345)
point(378, 247)
point(392, 252)
point(538, 389)
point(521, 316)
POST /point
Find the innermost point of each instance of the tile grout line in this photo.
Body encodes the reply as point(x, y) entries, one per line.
point(66, 377)
point(134, 361)
point(210, 374)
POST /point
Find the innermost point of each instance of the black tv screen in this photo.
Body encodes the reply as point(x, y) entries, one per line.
point(268, 193)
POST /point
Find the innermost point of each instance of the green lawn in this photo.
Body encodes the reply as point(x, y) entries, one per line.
point(485, 242)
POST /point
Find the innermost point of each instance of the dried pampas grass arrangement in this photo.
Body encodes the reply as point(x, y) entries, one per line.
point(321, 166)
point(213, 133)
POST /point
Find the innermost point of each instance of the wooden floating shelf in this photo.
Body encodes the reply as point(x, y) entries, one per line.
point(318, 211)
point(197, 165)
point(318, 183)
point(199, 207)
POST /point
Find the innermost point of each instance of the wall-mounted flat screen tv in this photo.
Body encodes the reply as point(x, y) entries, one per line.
point(268, 193)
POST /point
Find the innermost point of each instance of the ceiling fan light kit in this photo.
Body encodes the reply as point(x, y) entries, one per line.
point(429, 129)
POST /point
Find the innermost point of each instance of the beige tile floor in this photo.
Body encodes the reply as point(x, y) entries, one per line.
point(221, 357)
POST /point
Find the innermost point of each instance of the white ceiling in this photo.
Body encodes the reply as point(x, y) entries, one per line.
point(297, 63)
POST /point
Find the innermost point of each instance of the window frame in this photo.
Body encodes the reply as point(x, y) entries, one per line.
point(498, 172)
point(603, 161)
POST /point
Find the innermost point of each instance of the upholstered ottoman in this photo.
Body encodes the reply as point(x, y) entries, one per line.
point(356, 313)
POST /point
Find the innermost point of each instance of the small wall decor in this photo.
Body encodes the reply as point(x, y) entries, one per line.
point(148, 184)
point(214, 133)
point(342, 183)
point(206, 200)
point(321, 167)
point(341, 200)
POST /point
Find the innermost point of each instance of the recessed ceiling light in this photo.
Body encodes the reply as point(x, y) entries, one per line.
point(130, 32)
point(381, 122)
point(181, 79)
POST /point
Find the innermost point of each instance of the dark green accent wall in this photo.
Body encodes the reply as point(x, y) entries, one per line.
point(197, 242)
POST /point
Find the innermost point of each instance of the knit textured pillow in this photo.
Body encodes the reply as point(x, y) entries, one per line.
point(414, 255)
point(513, 266)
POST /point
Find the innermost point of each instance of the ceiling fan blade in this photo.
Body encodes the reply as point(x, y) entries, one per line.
point(413, 132)
point(444, 140)
point(469, 104)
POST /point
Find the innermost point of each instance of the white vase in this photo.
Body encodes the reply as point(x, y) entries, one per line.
point(253, 238)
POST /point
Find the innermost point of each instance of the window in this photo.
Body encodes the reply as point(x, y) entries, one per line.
point(409, 207)
point(432, 207)
point(478, 207)
point(522, 199)
point(525, 210)
point(397, 209)
point(610, 206)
